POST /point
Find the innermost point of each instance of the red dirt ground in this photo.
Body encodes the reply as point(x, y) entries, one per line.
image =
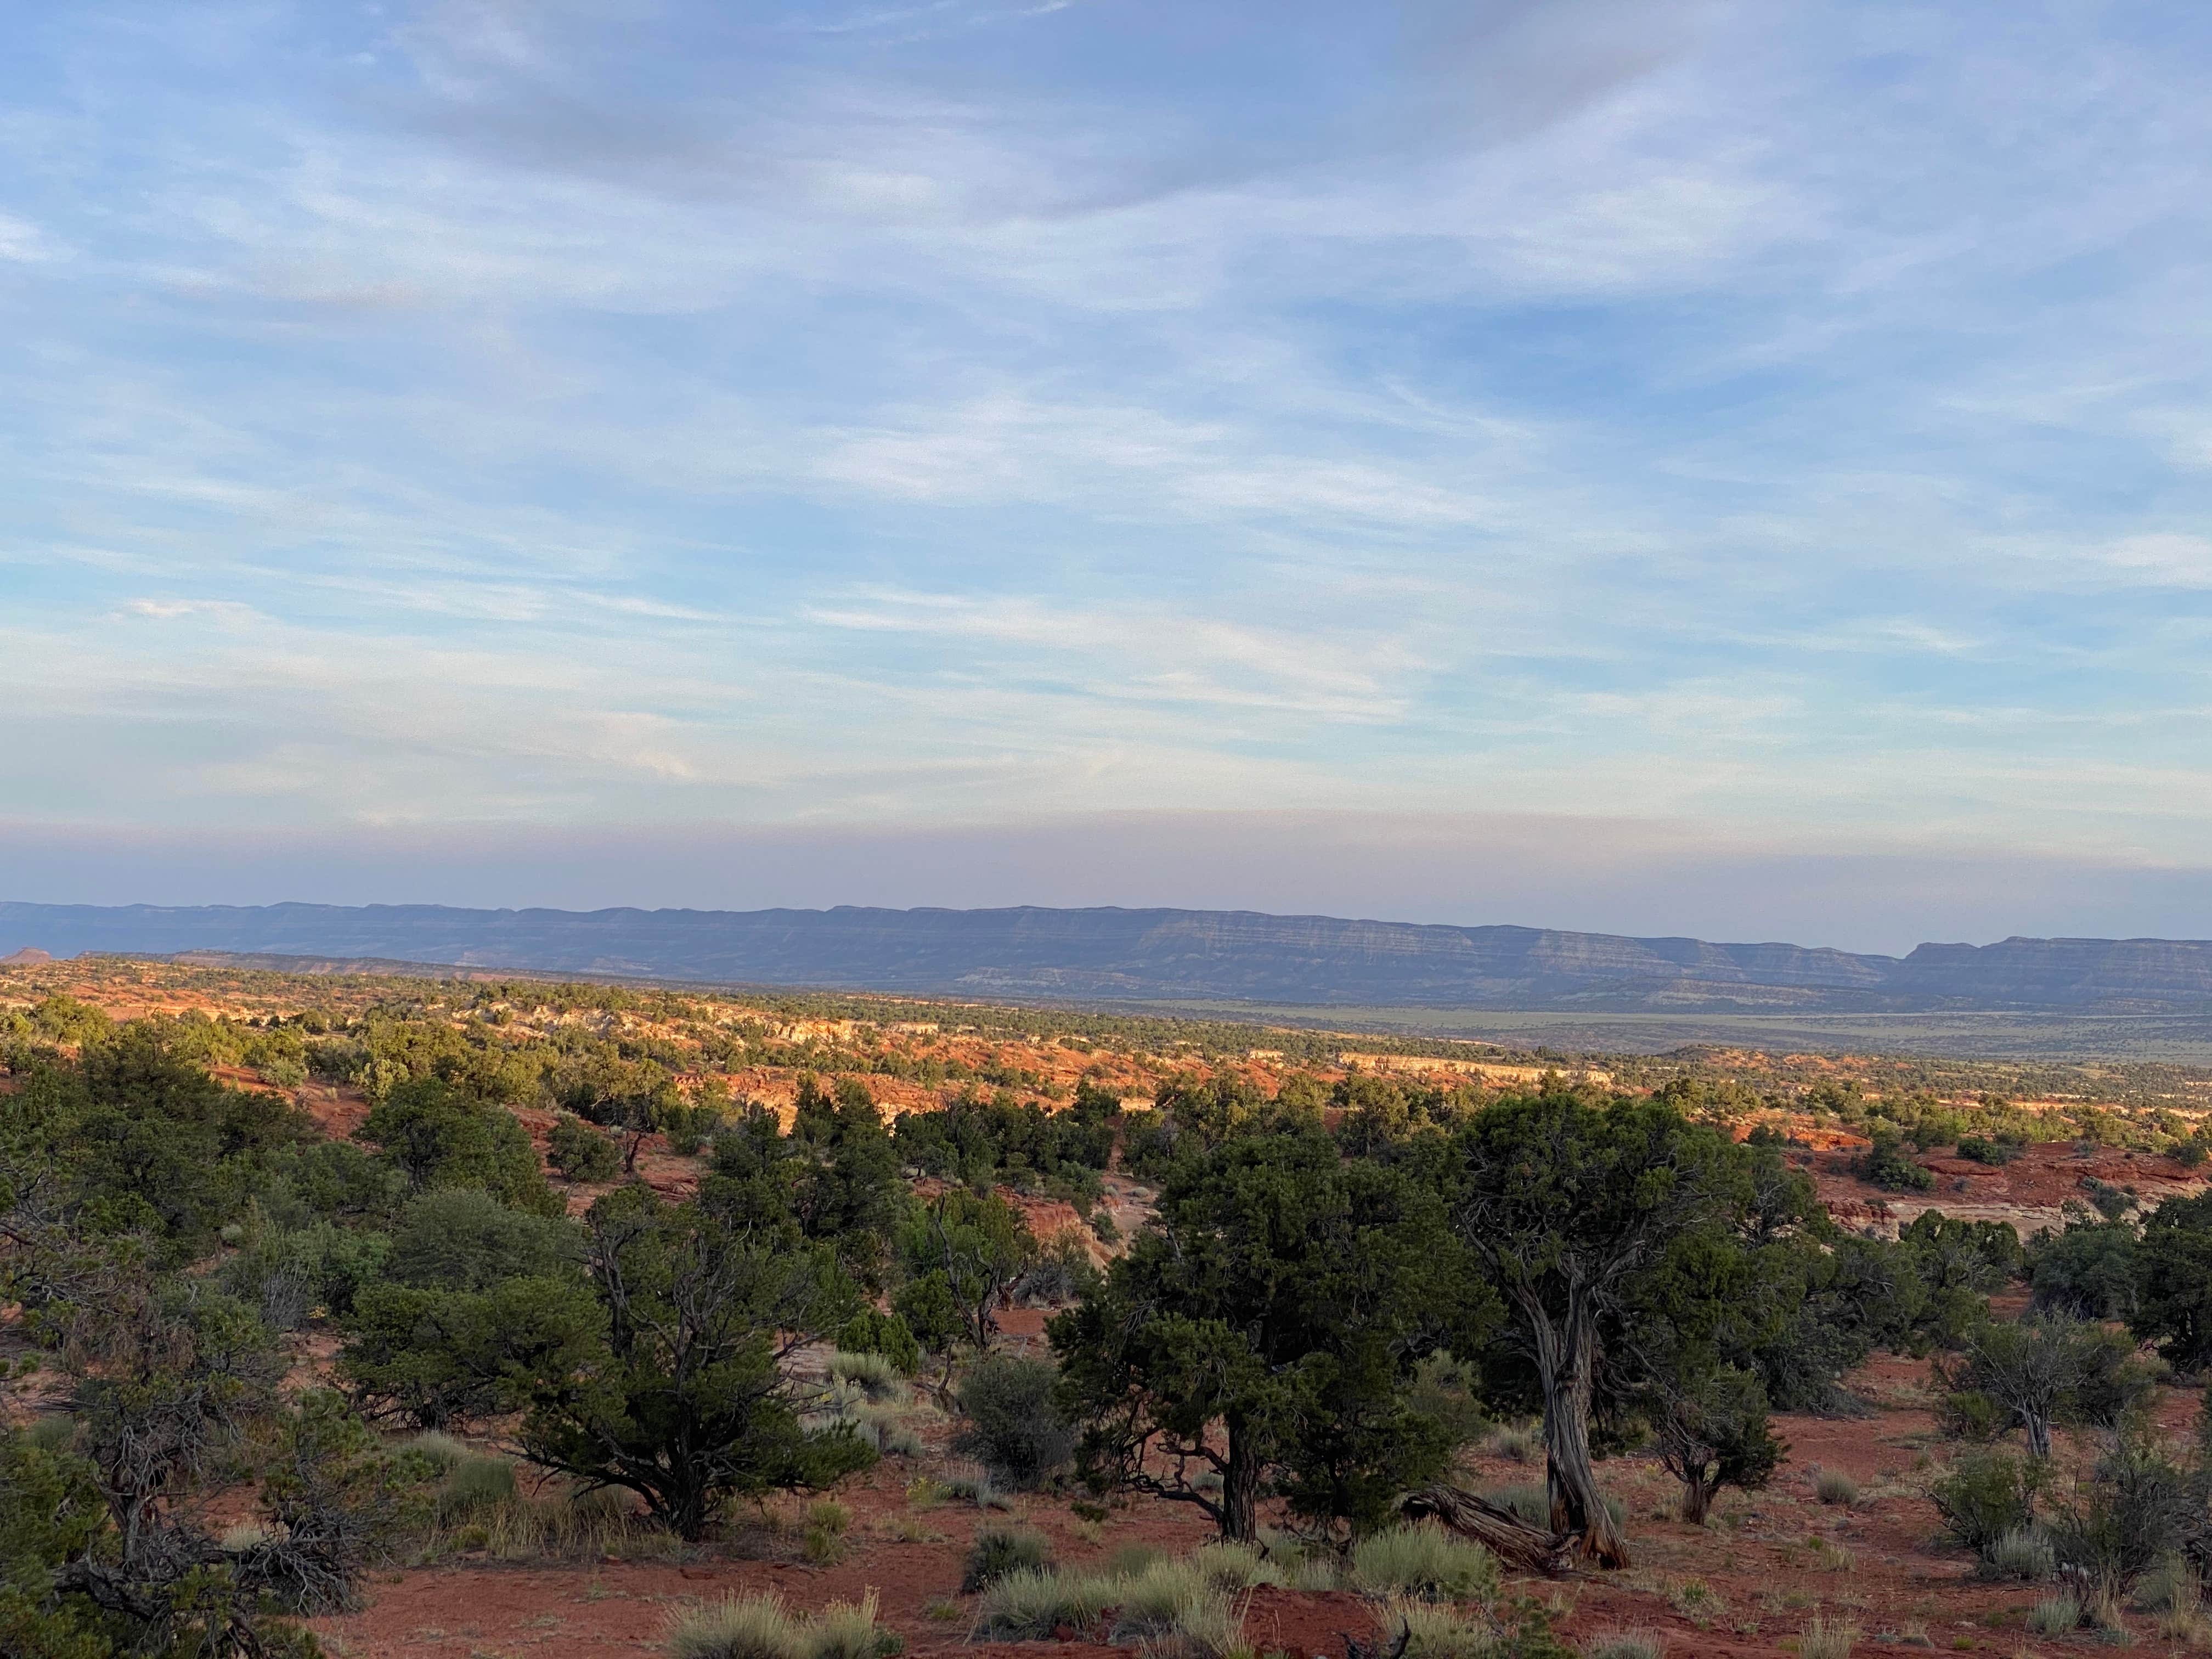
point(1770, 1563)
point(2029, 1193)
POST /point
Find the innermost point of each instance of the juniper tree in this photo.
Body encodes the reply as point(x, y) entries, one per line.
point(1265, 1331)
point(1569, 1205)
point(687, 1398)
point(2173, 1282)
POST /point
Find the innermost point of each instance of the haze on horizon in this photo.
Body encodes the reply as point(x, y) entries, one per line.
point(1640, 465)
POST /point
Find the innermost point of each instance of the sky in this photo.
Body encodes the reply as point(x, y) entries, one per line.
point(1647, 465)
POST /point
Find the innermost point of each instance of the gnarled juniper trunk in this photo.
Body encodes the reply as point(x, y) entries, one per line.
point(1240, 1490)
point(1697, 1493)
point(1521, 1546)
point(1567, 1360)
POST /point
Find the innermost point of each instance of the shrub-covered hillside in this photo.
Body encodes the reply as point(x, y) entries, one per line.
point(332, 1307)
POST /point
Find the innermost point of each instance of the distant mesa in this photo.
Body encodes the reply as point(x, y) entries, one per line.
point(28, 956)
point(1110, 955)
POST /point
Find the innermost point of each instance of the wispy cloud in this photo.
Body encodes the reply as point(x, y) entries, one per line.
point(228, 612)
point(1149, 653)
point(2160, 559)
point(1790, 418)
point(24, 243)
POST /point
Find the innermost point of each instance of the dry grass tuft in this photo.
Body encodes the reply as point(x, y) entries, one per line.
point(1424, 1560)
point(1030, 1604)
point(1435, 1632)
point(522, 1527)
point(1517, 1443)
point(754, 1627)
point(758, 1626)
point(1834, 1486)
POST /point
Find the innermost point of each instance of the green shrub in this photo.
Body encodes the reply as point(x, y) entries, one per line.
point(2055, 1615)
point(2110, 1202)
point(462, 1238)
point(1969, 1414)
point(872, 1331)
point(1980, 1151)
point(439, 1135)
point(436, 1357)
point(2046, 1369)
point(2173, 1282)
point(1014, 1428)
point(1627, 1644)
point(688, 1128)
point(1061, 1276)
point(1423, 1559)
point(1886, 1164)
point(285, 1071)
point(2088, 1270)
point(580, 1152)
point(286, 1275)
point(1525, 1631)
point(1001, 1549)
point(2110, 1530)
point(1984, 1495)
point(1448, 1392)
point(672, 1391)
point(977, 1488)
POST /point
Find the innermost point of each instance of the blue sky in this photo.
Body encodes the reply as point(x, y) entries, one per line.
point(1565, 463)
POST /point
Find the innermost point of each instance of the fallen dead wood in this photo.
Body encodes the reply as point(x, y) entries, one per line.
point(1503, 1534)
